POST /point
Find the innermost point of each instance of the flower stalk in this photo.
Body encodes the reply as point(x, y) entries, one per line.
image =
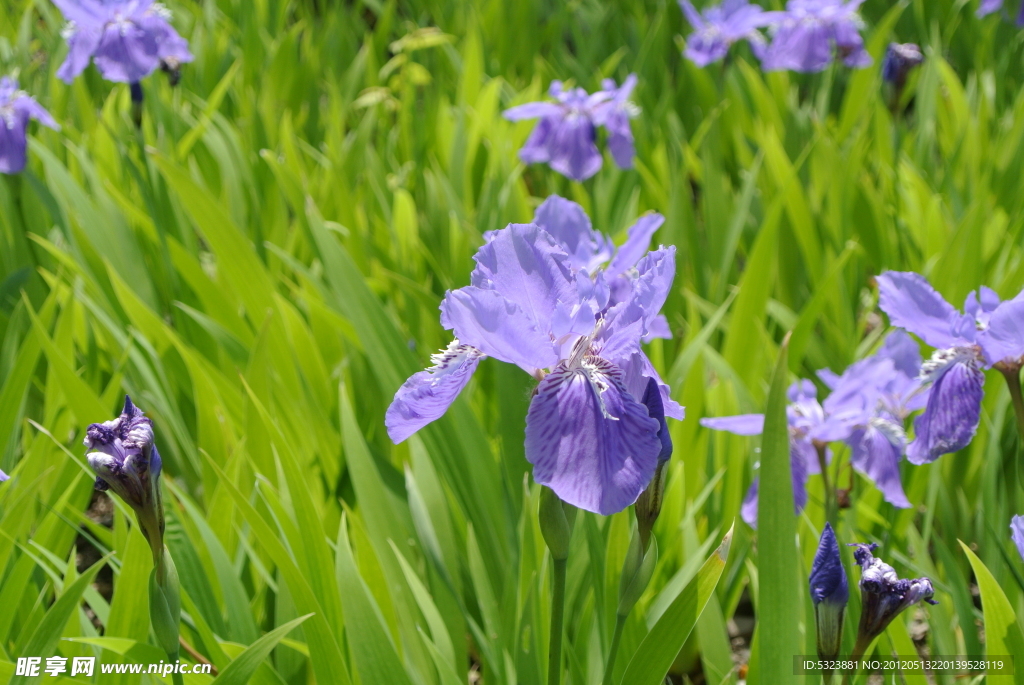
point(556, 523)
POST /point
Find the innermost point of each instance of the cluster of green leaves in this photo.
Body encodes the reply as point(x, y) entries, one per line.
point(260, 267)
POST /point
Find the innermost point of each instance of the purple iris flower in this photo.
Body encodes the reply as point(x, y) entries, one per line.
point(128, 39)
point(989, 333)
point(829, 593)
point(554, 298)
point(125, 459)
point(1017, 533)
point(884, 595)
point(811, 30)
point(805, 415)
point(900, 58)
point(868, 407)
point(717, 28)
point(16, 108)
point(566, 135)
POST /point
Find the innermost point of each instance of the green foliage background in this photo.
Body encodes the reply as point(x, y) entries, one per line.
point(260, 268)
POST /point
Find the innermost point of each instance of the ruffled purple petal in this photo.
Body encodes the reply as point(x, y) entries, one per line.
point(911, 303)
point(566, 222)
point(588, 439)
point(426, 396)
point(496, 326)
point(951, 417)
point(525, 264)
point(1004, 338)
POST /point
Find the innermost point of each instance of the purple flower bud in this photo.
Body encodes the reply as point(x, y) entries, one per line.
point(900, 58)
point(16, 108)
point(884, 595)
point(126, 461)
point(127, 39)
point(829, 593)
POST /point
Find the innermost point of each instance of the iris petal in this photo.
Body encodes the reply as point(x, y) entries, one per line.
point(951, 417)
point(588, 439)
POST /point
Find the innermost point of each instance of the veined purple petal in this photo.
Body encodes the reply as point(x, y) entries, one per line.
point(525, 264)
point(742, 424)
point(426, 396)
point(638, 239)
point(496, 326)
point(951, 417)
point(588, 439)
point(912, 303)
point(1017, 533)
point(1004, 337)
point(572, 148)
point(566, 222)
point(876, 452)
point(126, 54)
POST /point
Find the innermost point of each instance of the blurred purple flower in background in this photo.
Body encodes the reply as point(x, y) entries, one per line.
point(717, 28)
point(989, 333)
point(16, 108)
point(128, 39)
point(812, 33)
point(867, 409)
point(566, 135)
point(1017, 533)
point(805, 415)
point(986, 7)
point(900, 58)
point(556, 299)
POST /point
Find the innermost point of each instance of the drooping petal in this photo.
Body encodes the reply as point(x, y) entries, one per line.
point(741, 424)
point(170, 45)
point(875, 452)
point(803, 45)
point(566, 222)
point(588, 439)
point(32, 109)
point(573, 151)
point(912, 303)
point(496, 326)
point(536, 148)
point(13, 144)
point(951, 417)
point(904, 353)
point(126, 55)
point(1004, 337)
point(529, 268)
point(620, 139)
point(82, 44)
point(426, 396)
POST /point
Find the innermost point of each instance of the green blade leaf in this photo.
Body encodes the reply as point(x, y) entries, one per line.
point(1003, 635)
point(245, 664)
point(779, 611)
point(651, 661)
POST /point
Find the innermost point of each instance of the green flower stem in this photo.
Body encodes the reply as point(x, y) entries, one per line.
point(1012, 375)
point(620, 623)
point(557, 612)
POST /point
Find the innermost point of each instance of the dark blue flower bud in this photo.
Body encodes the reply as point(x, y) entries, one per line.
point(884, 595)
point(900, 58)
point(829, 593)
point(126, 461)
